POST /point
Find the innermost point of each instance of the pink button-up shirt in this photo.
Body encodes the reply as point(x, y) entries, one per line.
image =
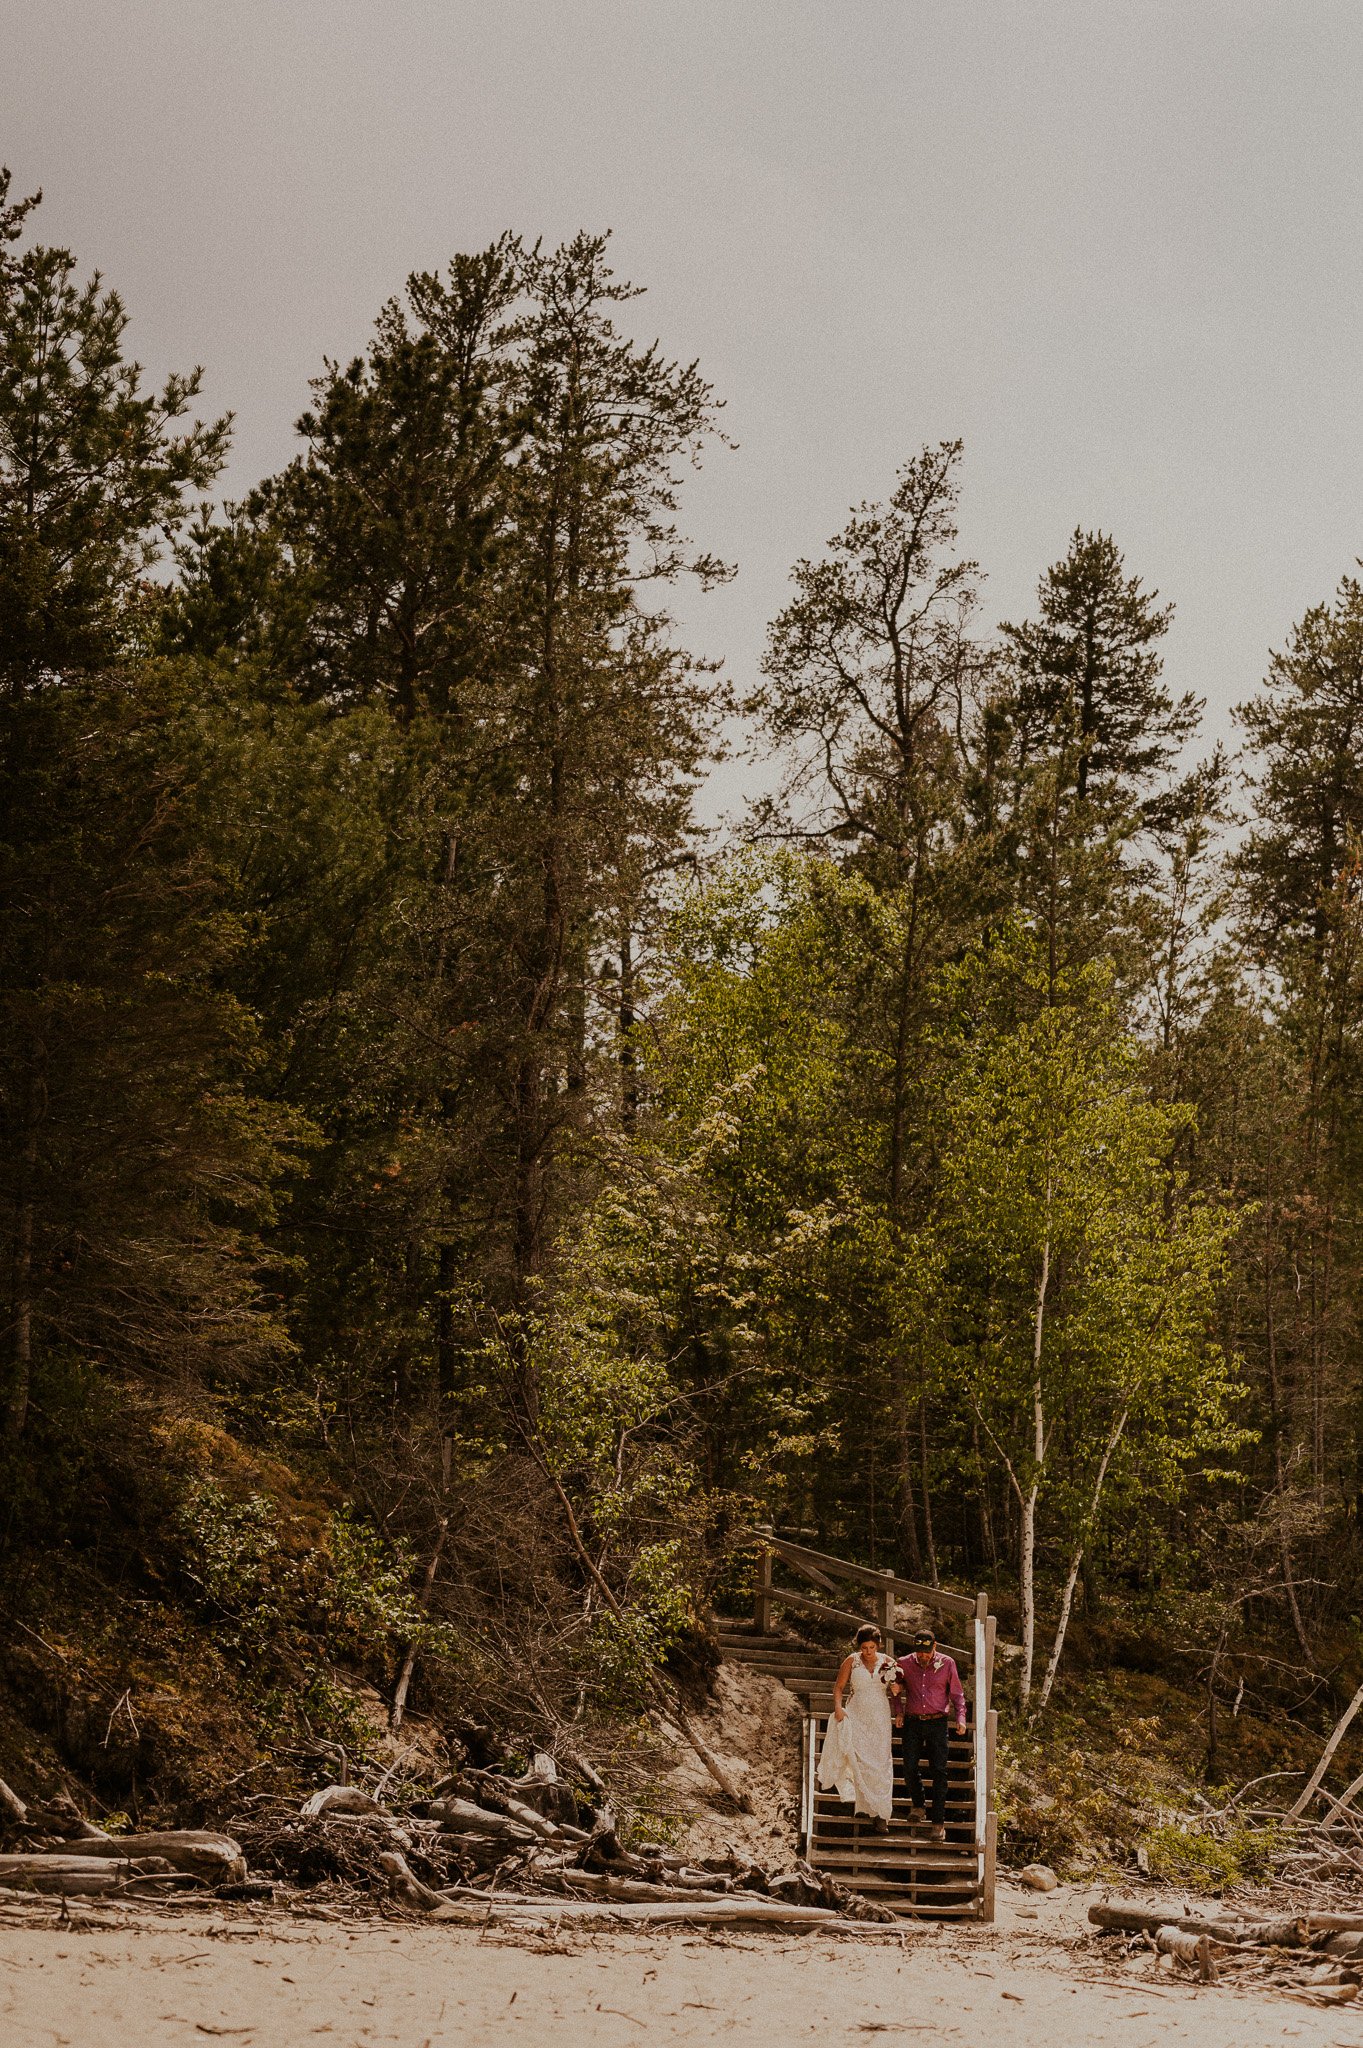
point(933, 1688)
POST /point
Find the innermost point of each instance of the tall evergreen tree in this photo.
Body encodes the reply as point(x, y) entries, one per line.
point(135, 1156)
point(93, 470)
point(1087, 737)
point(1305, 733)
point(1087, 690)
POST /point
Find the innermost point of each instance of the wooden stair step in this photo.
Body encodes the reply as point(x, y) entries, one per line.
point(940, 1856)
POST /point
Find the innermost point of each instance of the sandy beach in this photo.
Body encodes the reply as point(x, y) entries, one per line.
point(278, 1982)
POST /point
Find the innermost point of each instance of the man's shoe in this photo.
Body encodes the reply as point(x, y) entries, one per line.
point(917, 1815)
point(939, 1832)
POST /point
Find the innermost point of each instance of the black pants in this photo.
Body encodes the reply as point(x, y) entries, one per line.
point(934, 1738)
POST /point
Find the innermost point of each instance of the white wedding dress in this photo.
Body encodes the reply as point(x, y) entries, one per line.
point(856, 1760)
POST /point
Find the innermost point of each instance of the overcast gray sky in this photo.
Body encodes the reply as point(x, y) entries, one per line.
point(1114, 246)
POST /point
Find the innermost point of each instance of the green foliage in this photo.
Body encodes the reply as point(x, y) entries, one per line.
point(93, 470)
point(350, 1596)
point(385, 1075)
point(1183, 1853)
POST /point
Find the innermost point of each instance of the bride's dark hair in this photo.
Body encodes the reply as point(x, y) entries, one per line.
point(869, 1634)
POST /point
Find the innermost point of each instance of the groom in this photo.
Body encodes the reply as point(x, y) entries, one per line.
point(927, 1693)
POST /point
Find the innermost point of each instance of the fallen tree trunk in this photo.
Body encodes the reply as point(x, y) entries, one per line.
point(695, 1913)
point(215, 1857)
point(84, 1875)
point(1336, 1737)
point(502, 1795)
point(462, 1817)
point(676, 1713)
point(12, 1805)
point(460, 1907)
point(1344, 1946)
point(1130, 1918)
point(1193, 1949)
point(339, 1799)
point(634, 1890)
point(407, 1887)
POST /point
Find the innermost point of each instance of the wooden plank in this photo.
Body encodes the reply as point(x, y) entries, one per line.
point(864, 1575)
point(812, 1573)
point(990, 1860)
point(783, 1596)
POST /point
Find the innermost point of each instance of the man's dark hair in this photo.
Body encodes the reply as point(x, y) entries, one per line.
point(869, 1633)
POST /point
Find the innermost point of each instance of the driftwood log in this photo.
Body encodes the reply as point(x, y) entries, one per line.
point(339, 1799)
point(1193, 1949)
point(477, 1910)
point(216, 1858)
point(83, 1875)
point(599, 1884)
point(1130, 1918)
point(462, 1817)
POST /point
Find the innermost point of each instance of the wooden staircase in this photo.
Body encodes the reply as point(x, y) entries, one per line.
point(905, 1869)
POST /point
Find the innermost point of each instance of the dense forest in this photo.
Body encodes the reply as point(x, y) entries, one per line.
point(447, 1193)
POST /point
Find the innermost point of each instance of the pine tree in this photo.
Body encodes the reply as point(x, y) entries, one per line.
point(137, 1158)
point(1305, 732)
point(1087, 690)
point(93, 469)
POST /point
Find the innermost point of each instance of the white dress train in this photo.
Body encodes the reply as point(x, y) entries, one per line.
point(857, 1760)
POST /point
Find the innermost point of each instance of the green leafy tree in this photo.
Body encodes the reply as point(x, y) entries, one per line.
point(1082, 1279)
point(877, 699)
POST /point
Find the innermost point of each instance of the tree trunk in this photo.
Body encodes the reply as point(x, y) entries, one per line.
point(1071, 1577)
point(899, 1096)
point(400, 1690)
point(1027, 1502)
point(21, 1343)
point(444, 1325)
point(629, 1070)
point(986, 1518)
point(1336, 1737)
point(1279, 1462)
point(1211, 1769)
point(908, 1519)
point(1027, 1587)
point(927, 1488)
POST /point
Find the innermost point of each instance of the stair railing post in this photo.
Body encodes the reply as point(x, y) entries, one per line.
point(885, 1615)
point(984, 1718)
point(761, 1613)
point(991, 1821)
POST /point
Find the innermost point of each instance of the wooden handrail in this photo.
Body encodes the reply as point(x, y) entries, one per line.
point(783, 1597)
point(864, 1575)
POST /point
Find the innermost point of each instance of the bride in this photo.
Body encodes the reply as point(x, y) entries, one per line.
point(856, 1760)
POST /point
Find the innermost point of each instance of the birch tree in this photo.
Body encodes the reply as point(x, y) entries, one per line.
point(1082, 1275)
